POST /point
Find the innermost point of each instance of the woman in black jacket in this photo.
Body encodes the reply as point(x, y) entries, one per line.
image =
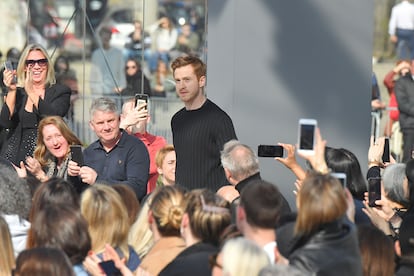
point(325, 243)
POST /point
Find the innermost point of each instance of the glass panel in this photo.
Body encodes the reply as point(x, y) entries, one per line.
point(60, 26)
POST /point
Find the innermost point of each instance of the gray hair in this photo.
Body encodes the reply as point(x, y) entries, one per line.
point(281, 270)
point(103, 104)
point(239, 159)
point(15, 195)
point(393, 181)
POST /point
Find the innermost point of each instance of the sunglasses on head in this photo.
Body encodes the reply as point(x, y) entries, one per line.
point(41, 62)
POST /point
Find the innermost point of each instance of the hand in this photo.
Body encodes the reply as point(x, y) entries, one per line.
point(394, 39)
point(111, 254)
point(73, 168)
point(383, 208)
point(33, 166)
point(290, 161)
point(91, 265)
point(88, 175)
point(8, 79)
point(377, 220)
point(317, 160)
point(375, 152)
point(21, 171)
point(134, 116)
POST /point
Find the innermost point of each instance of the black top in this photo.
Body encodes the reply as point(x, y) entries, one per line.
point(191, 261)
point(332, 250)
point(126, 163)
point(22, 125)
point(134, 85)
point(198, 137)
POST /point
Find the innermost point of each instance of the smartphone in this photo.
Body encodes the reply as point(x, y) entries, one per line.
point(9, 66)
point(306, 136)
point(109, 268)
point(374, 190)
point(76, 154)
point(341, 177)
point(140, 99)
point(386, 154)
point(270, 151)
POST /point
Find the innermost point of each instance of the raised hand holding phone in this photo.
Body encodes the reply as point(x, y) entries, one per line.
point(9, 67)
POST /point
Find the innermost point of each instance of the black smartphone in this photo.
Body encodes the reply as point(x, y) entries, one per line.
point(76, 154)
point(9, 66)
point(270, 151)
point(374, 190)
point(341, 177)
point(306, 136)
point(140, 99)
point(109, 268)
point(386, 153)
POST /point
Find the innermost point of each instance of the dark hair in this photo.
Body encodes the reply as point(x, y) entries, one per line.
point(342, 160)
point(63, 227)
point(262, 202)
point(43, 261)
point(406, 236)
point(54, 191)
point(377, 251)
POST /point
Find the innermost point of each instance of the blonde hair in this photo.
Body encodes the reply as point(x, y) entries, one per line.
point(7, 261)
point(21, 67)
point(161, 153)
point(41, 153)
point(140, 236)
point(242, 257)
point(321, 200)
point(167, 209)
point(208, 213)
point(107, 218)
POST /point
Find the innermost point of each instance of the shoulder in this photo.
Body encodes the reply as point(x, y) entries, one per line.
point(59, 88)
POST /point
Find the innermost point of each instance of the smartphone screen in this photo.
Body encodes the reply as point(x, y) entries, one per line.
point(341, 177)
point(386, 154)
point(270, 151)
point(307, 129)
point(140, 99)
point(374, 190)
point(76, 154)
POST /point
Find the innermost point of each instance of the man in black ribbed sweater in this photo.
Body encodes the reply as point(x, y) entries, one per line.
point(199, 130)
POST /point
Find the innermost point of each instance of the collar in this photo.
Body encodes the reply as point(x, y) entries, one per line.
point(240, 186)
point(120, 143)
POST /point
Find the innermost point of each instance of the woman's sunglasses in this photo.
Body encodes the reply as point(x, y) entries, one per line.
point(41, 62)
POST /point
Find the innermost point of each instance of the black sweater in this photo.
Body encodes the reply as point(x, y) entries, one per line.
point(199, 136)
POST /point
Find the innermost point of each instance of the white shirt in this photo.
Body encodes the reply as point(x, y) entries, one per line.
point(270, 251)
point(18, 230)
point(402, 17)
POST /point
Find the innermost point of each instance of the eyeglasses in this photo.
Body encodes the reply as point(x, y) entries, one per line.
point(212, 261)
point(130, 67)
point(41, 62)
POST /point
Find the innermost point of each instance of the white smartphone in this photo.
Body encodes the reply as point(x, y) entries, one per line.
point(306, 136)
point(341, 177)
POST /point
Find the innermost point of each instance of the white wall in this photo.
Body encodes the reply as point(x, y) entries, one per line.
point(271, 62)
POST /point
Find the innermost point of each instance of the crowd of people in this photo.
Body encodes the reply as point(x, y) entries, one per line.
point(145, 66)
point(135, 205)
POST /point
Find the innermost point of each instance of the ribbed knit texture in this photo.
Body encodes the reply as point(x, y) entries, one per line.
point(198, 137)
